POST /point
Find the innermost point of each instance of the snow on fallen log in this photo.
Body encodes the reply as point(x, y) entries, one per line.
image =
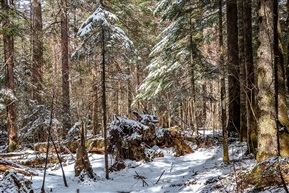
point(141, 140)
point(6, 165)
point(12, 182)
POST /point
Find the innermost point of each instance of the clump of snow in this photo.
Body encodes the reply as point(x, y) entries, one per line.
point(122, 123)
point(73, 132)
point(85, 178)
point(7, 93)
point(146, 119)
point(2, 107)
point(99, 17)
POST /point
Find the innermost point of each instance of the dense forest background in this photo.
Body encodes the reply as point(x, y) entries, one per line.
point(195, 65)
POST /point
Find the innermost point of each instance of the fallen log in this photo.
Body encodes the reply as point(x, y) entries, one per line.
point(12, 182)
point(6, 165)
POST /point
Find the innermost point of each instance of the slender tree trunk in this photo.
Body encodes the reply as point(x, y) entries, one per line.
point(65, 70)
point(168, 110)
point(204, 106)
point(243, 125)
point(129, 94)
point(192, 74)
point(138, 74)
point(95, 105)
point(117, 97)
point(250, 79)
point(267, 132)
point(37, 51)
point(287, 65)
point(282, 103)
point(233, 67)
point(223, 87)
point(8, 43)
point(104, 109)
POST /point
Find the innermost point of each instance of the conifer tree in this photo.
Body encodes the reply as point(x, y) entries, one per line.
point(177, 52)
point(102, 35)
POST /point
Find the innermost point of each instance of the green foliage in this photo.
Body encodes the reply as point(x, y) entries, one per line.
point(15, 22)
point(179, 41)
point(99, 25)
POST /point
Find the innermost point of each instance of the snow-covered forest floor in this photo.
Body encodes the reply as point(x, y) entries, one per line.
point(202, 171)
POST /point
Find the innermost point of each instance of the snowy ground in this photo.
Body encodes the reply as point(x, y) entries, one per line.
point(200, 172)
point(196, 172)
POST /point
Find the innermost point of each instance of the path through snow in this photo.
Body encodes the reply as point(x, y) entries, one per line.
point(196, 172)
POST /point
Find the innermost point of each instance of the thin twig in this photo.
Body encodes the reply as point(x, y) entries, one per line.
point(172, 167)
point(47, 149)
point(160, 176)
point(142, 178)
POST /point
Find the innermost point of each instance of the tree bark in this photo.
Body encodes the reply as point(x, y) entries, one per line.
point(82, 160)
point(37, 51)
point(233, 67)
point(282, 104)
point(65, 70)
point(287, 65)
point(192, 74)
point(250, 79)
point(223, 87)
point(95, 105)
point(267, 132)
point(129, 93)
point(204, 105)
point(243, 125)
point(104, 109)
point(8, 44)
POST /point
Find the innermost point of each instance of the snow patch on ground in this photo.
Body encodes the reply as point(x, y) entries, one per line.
point(196, 172)
point(202, 171)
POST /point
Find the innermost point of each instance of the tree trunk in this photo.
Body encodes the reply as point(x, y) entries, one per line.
point(250, 81)
point(204, 106)
point(8, 44)
point(37, 51)
point(192, 74)
point(233, 67)
point(65, 70)
point(243, 125)
point(129, 93)
point(82, 160)
point(223, 87)
point(95, 105)
point(267, 132)
point(168, 110)
point(287, 65)
point(117, 97)
point(104, 109)
point(282, 104)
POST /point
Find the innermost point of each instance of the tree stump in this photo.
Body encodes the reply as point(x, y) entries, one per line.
point(82, 162)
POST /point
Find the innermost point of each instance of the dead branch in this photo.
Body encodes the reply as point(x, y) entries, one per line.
point(160, 176)
point(137, 176)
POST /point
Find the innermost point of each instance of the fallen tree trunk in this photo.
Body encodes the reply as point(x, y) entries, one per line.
point(12, 182)
point(6, 165)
